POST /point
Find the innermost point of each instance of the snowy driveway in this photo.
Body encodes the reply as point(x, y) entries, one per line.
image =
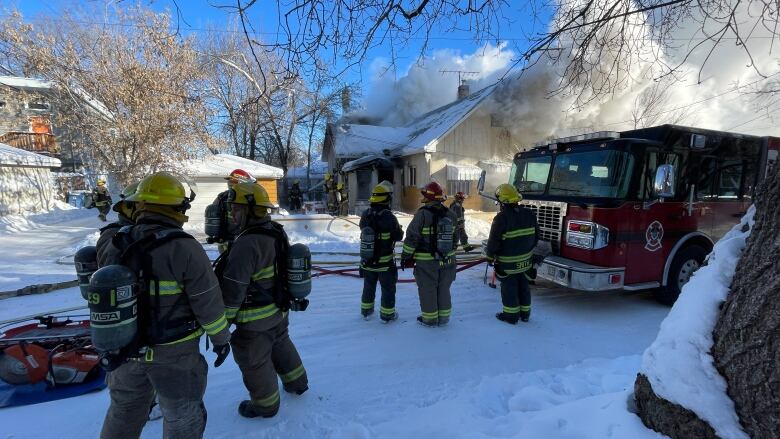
point(567, 373)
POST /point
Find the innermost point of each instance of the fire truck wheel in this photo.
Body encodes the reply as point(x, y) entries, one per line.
point(685, 262)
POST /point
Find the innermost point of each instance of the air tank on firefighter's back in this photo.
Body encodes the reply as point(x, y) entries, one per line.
point(213, 221)
point(85, 261)
point(113, 308)
point(444, 239)
point(299, 271)
point(367, 238)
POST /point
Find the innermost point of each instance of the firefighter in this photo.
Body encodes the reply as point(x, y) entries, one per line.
point(187, 302)
point(236, 176)
point(331, 194)
point(343, 198)
point(377, 258)
point(296, 197)
point(250, 281)
point(429, 247)
point(125, 210)
point(460, 228)
point(513, 236)
point(102, 199)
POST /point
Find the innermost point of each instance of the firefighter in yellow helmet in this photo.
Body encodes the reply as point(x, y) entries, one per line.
point(513, 236)
point(101, 199)
point(343, 198)
point(252, 272)
point(125, 210)
point(179, 300)
point(296, 197)
point(379, 231)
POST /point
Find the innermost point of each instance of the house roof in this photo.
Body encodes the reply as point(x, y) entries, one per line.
point(318, 170)
point(420, 135)
point(10, 156)
point(28, 83)
point(220, 165)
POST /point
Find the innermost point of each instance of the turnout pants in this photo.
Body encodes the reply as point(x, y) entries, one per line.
point(387, 280)
point(460, 236)
point(180, 382)
point(262, 355)
point(434, 279)
point(516, 295)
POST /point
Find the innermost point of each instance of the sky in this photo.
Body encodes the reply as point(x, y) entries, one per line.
point(716, 96)
point(202, 16)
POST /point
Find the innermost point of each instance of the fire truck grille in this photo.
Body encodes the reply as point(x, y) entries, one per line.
point(549, 217)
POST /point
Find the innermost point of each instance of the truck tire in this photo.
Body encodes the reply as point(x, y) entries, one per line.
point(685, 262)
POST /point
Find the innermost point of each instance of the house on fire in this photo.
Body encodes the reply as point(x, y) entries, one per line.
point(451, 145)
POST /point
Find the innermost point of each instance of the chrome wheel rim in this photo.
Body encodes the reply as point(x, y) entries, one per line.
point(686, 271)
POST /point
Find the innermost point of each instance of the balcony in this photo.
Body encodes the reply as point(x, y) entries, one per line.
point(41, 143)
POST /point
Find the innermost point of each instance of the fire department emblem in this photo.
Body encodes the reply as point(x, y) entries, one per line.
point(654, 234)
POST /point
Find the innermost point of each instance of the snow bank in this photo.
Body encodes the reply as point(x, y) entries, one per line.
point(28, 221)
point(678, 363)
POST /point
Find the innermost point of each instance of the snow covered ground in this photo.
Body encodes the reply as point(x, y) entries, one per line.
point(566, 374)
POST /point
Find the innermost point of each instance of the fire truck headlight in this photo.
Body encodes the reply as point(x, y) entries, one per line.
point(588, 235)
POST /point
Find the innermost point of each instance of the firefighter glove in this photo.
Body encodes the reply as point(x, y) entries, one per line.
point(222, 352)
point(536, 259)
point(407, 263)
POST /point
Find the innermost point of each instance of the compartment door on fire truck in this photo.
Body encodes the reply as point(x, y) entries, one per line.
point(654, 226)
point(727, 179)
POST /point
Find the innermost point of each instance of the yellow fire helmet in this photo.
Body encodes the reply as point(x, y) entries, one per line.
point(381, 194)
point(508, 194)
point(101, 182)
point(160, 188)
point(252, 195)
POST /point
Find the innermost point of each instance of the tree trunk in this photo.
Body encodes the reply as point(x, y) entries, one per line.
point(747, 335)
point(746, 346)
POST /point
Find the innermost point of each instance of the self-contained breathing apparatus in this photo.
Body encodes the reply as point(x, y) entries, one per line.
point(86, 264)
point(216, 221)
point(124, 301)
point(441, 237)
point(292, 271)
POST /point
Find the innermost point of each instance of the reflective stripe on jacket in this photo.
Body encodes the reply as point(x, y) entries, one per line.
point(513, 236)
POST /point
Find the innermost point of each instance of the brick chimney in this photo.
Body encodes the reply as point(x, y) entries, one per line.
point(463, 90)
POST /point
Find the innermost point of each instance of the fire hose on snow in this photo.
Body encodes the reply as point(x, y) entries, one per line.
point(354, 272)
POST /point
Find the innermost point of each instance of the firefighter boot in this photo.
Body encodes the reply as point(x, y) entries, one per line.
point(525, 315)
point(387, 318)
point(367, 313)
point(508, 318)
point(249, 410)
point(427, 323)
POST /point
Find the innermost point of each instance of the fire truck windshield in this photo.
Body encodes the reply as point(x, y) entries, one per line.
point(596, 174)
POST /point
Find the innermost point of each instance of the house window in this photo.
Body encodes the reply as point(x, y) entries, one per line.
point(455, 186)
point(364, 184)
point(412, 176)
point(38, 105)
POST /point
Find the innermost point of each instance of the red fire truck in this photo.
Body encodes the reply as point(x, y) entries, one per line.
point(638, 209)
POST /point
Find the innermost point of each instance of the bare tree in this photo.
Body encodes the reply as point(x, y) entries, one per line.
point(651, 107)
point(132, 89)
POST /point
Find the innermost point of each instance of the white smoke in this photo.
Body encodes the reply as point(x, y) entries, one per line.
point(532, 104)
point(423, 87)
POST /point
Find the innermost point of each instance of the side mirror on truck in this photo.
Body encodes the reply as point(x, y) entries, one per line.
point(481, 187)
point(663, 186)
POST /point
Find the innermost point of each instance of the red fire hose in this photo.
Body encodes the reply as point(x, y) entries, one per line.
point(354, 272)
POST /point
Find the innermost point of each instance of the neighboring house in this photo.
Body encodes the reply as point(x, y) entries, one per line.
point(450, 145)
point(26, 183)
point(316, 176)
point(209, 175)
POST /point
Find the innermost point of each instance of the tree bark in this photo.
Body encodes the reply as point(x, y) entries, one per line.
point(667, 417)
point(747, 335)
point(746, 346)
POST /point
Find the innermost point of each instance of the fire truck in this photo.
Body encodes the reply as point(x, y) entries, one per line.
point(639, 209)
